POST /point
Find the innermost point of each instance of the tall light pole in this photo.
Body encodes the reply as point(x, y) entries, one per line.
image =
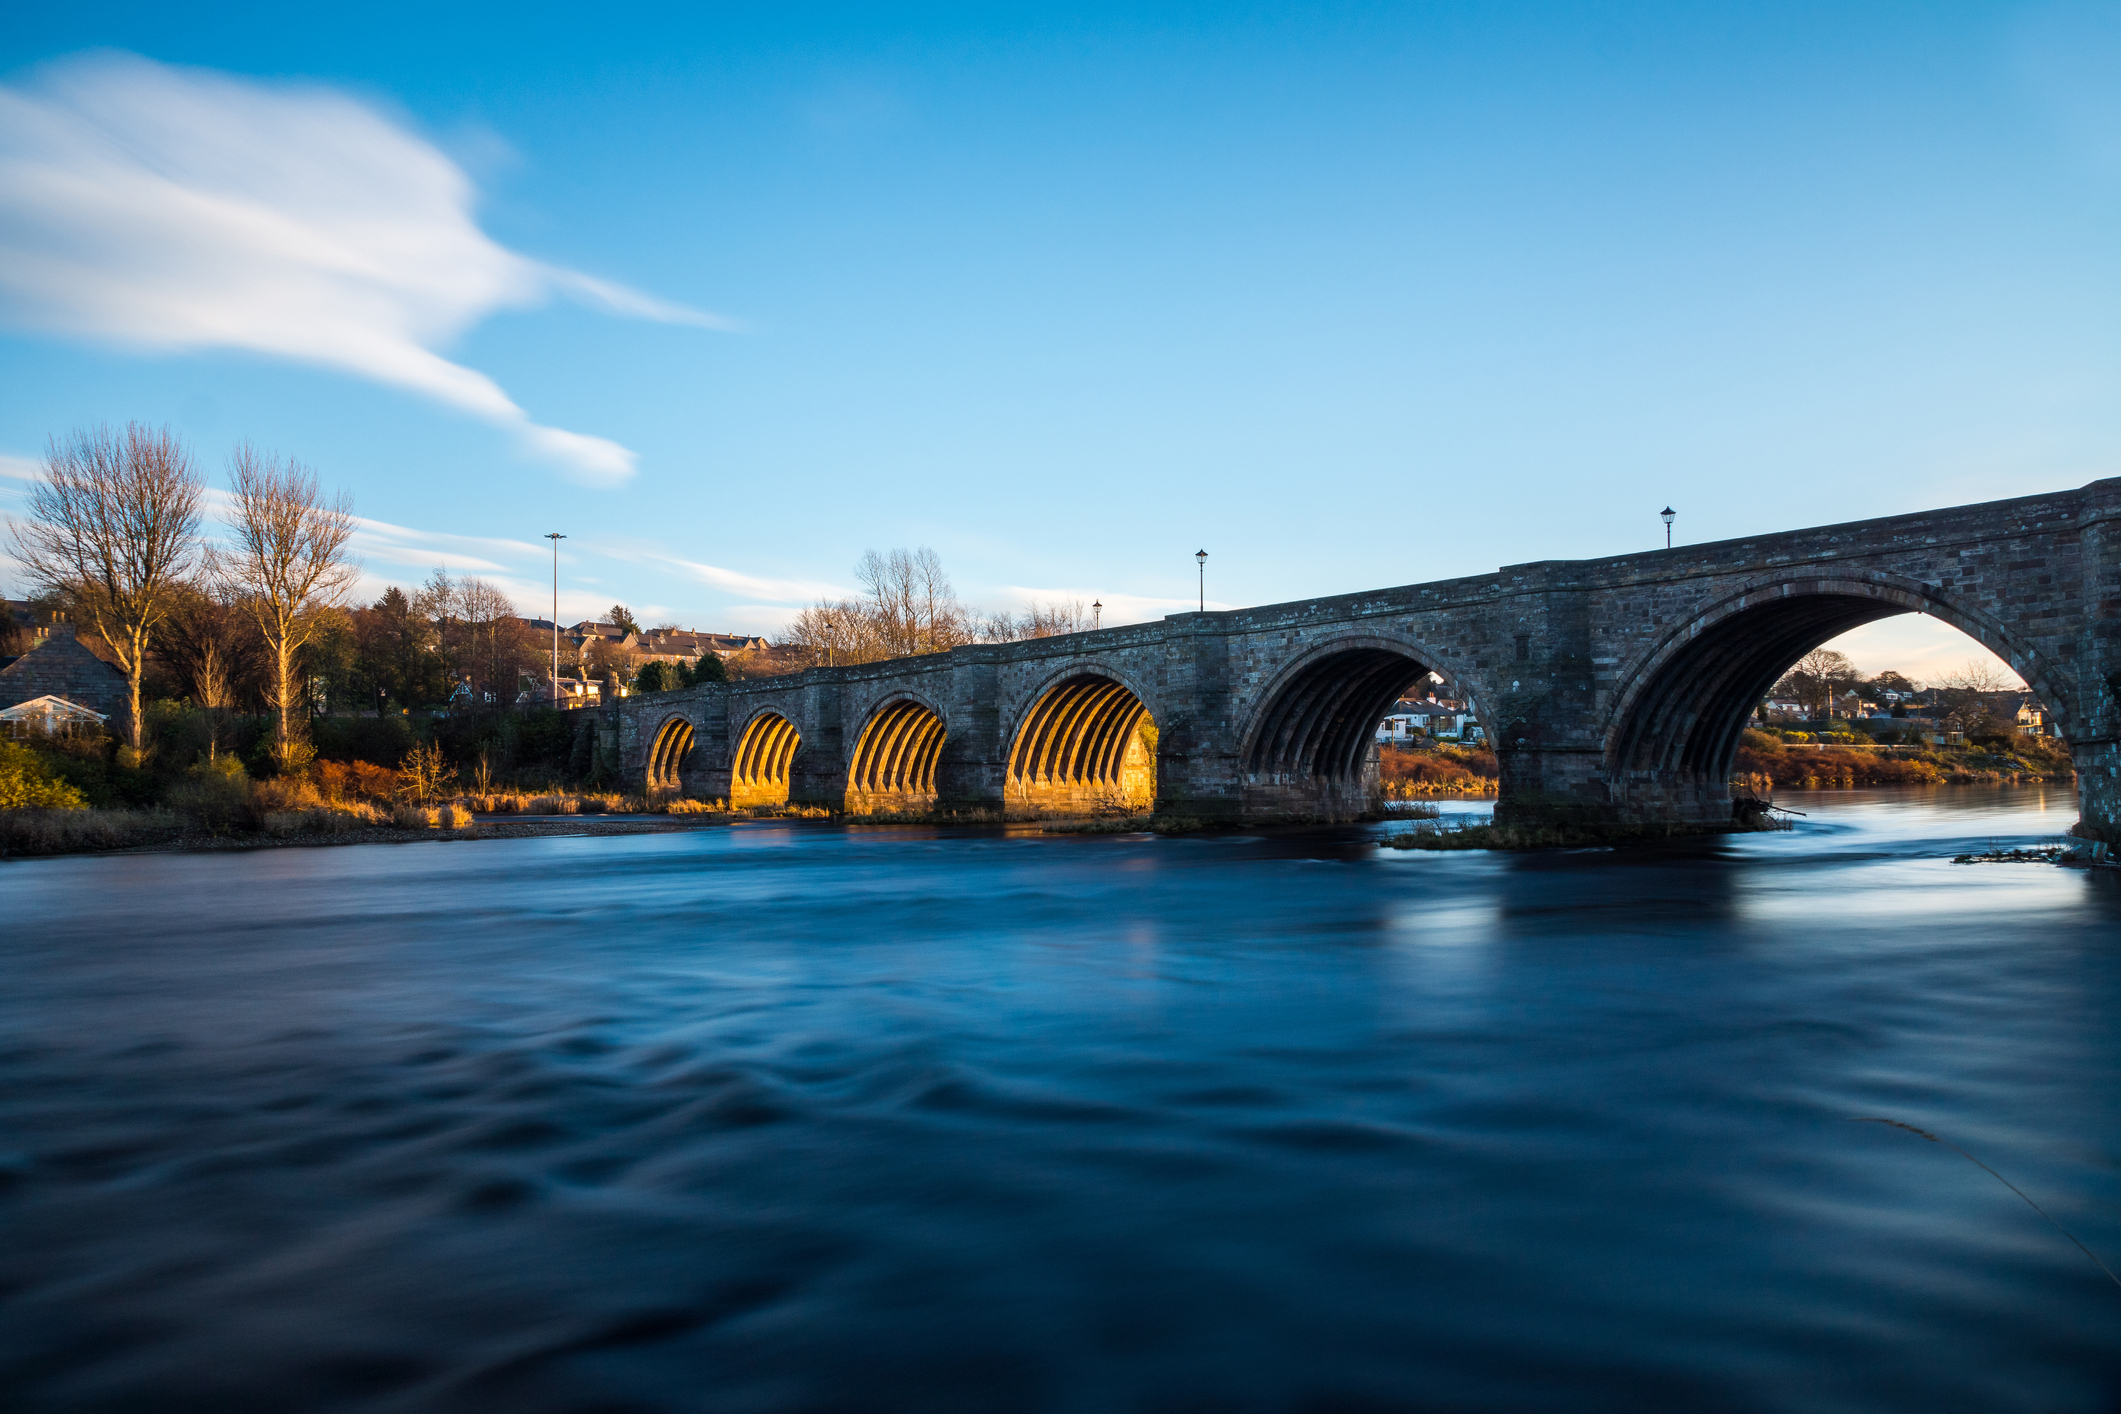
point(1200, 557)
point(556, 538)
point(1668, 513)
point(1097, 614)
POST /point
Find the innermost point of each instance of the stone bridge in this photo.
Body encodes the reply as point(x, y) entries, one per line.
point(1615, 690)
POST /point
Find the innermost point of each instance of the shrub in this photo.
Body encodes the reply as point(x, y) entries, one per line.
point(356, 780)
point(29, 781)
point(656, 677)
point(708, 669)
point(424, 773)
point(320, 819)
point(1823, 770)
point(214, 796)
point(284, 793)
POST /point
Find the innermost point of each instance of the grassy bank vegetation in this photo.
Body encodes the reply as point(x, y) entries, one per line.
point(1439, 768)
point(204, 776)
point(1841, 760)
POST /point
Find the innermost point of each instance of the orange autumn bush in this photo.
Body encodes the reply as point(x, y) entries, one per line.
point(355, 780)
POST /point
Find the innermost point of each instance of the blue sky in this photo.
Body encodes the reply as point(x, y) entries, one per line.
point(1349, 296)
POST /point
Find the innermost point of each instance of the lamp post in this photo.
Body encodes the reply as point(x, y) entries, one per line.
point(1097, 614)
point(1668, 515)
point(555, 538)
point(1201, 558)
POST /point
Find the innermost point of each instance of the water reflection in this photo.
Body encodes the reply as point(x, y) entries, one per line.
point(774, 1117)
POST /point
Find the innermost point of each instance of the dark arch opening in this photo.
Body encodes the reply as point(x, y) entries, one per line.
point(1083, 746)
point(896, 758)
point(1689, 716)
point(1684, 725)
point(1320, 726)
point(666, 759)
point(759, 774)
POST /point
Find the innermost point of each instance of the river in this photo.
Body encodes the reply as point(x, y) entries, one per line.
point(793, 1117)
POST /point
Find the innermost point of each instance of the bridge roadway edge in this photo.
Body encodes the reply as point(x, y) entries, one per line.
point(1559, 658)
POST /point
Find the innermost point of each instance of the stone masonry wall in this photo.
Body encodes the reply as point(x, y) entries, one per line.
point(1563, 662)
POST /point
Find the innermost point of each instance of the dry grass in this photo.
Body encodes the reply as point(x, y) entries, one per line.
point(1406, 774)
point(78, 831)
point(323, 819)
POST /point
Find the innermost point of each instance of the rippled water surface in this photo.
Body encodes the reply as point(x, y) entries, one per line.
point(795, 1118)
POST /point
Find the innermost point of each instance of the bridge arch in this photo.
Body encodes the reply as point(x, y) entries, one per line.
point(759, 767)
point(1309, 748)
point(1677, 718)
point(1082, 745)
point(896, 756)
point(666, 755)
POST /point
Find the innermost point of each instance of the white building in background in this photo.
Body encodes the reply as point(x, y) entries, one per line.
point(1400, 727)
point(50, 716)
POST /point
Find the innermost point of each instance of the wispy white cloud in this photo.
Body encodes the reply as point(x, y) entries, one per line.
point(403, 545)
point(750, 586)
point(18, 468)
point(173, 209)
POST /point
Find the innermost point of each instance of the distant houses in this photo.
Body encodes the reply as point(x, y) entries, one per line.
point(675, 646)
point(1433, 718)
point(592, 648)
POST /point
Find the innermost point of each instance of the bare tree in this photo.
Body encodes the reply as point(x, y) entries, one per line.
point(290, 562)
point(835, 634)
point(1815, 676)
point(1964, 692)
point(113, 529)
point(910, 603)
point(495, 638)
point(908, 607)
point(211, 645)
point(1037, 621)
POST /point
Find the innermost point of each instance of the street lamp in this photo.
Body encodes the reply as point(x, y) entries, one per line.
point(556, 538)
point(1097, 614)
point(1201, 556)
point(1668, 514)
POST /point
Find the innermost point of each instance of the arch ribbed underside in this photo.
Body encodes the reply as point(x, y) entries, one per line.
point(1077, 735)
point(666, 759)
point(898, 752)
point(763, 754)
point(1690, 716)
point(1322, 724)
